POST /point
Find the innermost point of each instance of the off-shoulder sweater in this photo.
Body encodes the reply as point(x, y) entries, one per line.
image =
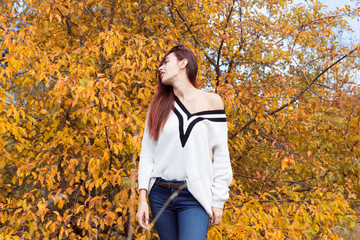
point(191, 147)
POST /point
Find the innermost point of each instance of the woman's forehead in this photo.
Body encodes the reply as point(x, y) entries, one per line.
point(170, 56)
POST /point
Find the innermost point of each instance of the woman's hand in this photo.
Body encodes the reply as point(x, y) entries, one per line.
point(216, 215)
point(142, 214)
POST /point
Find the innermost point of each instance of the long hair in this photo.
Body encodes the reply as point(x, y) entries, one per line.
point(163, 101)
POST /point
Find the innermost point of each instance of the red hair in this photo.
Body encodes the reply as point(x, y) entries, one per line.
point(163, 101)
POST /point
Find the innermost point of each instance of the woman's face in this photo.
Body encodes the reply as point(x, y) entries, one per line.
point(169, 69)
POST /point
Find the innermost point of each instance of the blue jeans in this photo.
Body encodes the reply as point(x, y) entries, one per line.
point(183, 219)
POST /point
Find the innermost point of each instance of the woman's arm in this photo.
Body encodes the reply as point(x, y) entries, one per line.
point(222, 172)
point(145, 167)
point(146, 163)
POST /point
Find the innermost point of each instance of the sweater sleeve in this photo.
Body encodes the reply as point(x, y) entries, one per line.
point(146, 163)
point(222, 172)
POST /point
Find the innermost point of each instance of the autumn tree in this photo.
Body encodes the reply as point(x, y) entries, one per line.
point(77, 78)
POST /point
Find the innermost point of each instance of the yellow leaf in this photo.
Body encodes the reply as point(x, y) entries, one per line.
point(104, 185)
point(8, 112)
point(16, 114)
point(24, 203)
point(32, 227)
point(60, 203)
point(18, 147)
point(61, 232)
point(84, 119)
point(284, 163)
point(43, 111)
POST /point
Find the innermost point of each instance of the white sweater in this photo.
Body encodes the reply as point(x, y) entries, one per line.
point(191, 147)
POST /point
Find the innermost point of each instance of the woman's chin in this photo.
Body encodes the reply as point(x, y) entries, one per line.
point(163, 81)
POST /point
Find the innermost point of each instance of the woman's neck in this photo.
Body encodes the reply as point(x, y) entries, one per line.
point(184, 90)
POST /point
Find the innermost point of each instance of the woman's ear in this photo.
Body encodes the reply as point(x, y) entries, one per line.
point(183, 63)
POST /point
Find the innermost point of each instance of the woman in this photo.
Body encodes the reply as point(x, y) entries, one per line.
point(184, 144)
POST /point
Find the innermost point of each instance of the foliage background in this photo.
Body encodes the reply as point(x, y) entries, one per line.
point(77, 78)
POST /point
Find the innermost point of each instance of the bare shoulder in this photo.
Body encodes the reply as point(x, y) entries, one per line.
point(214, 100)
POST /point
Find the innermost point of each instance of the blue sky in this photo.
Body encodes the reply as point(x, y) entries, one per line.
point(348, 38)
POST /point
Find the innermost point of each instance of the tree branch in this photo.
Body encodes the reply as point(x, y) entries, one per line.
point(10, 208)
point(112, 14)
point(192, 34)
point(217, 67)
point(295, 98)
point(307, 201)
